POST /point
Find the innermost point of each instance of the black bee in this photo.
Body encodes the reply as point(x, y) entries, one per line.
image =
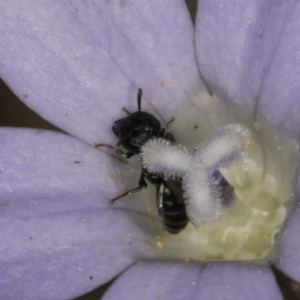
point(133, 132)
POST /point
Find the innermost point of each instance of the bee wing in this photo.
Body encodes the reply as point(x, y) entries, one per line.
point(175, 187)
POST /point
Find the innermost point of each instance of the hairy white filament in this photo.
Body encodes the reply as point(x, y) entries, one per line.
point(163, 157)
point(203, 197)
point(224, 147)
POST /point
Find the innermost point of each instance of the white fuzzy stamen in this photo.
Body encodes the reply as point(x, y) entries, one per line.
point(224, 147)
point(163, 157)
point(203, 196)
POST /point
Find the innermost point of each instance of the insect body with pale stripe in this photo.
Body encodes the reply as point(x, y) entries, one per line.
point(133, 132)
point(189, 185)
point(206, 191)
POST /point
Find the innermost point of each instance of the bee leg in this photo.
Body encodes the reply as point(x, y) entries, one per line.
point(160, 190)
point(126, 110)
point(170, 121)
point(142, 185)
point(116, 149)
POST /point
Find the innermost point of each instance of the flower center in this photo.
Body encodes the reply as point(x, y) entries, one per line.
point(262, 183)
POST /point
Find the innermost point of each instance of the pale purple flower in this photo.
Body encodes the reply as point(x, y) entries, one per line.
point(77, 64)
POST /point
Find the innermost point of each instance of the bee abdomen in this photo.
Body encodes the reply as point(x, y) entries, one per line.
point(175, 218)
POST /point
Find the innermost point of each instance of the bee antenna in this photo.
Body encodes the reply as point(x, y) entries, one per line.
point(139, 98)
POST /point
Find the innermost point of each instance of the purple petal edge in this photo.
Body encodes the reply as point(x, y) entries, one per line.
point(78, 63)
point(249, 54)
point(287, 249)
point(179, 280)
point(60, 237)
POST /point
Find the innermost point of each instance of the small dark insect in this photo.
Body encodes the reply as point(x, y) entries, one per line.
point(133, 132)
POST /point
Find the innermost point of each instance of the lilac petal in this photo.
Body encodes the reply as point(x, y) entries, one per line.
point(78, 63)
point(287, 249)
point(180, 280)
point(162, 280)
point(249, 54)
point(237, 281)
point(59, 235)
